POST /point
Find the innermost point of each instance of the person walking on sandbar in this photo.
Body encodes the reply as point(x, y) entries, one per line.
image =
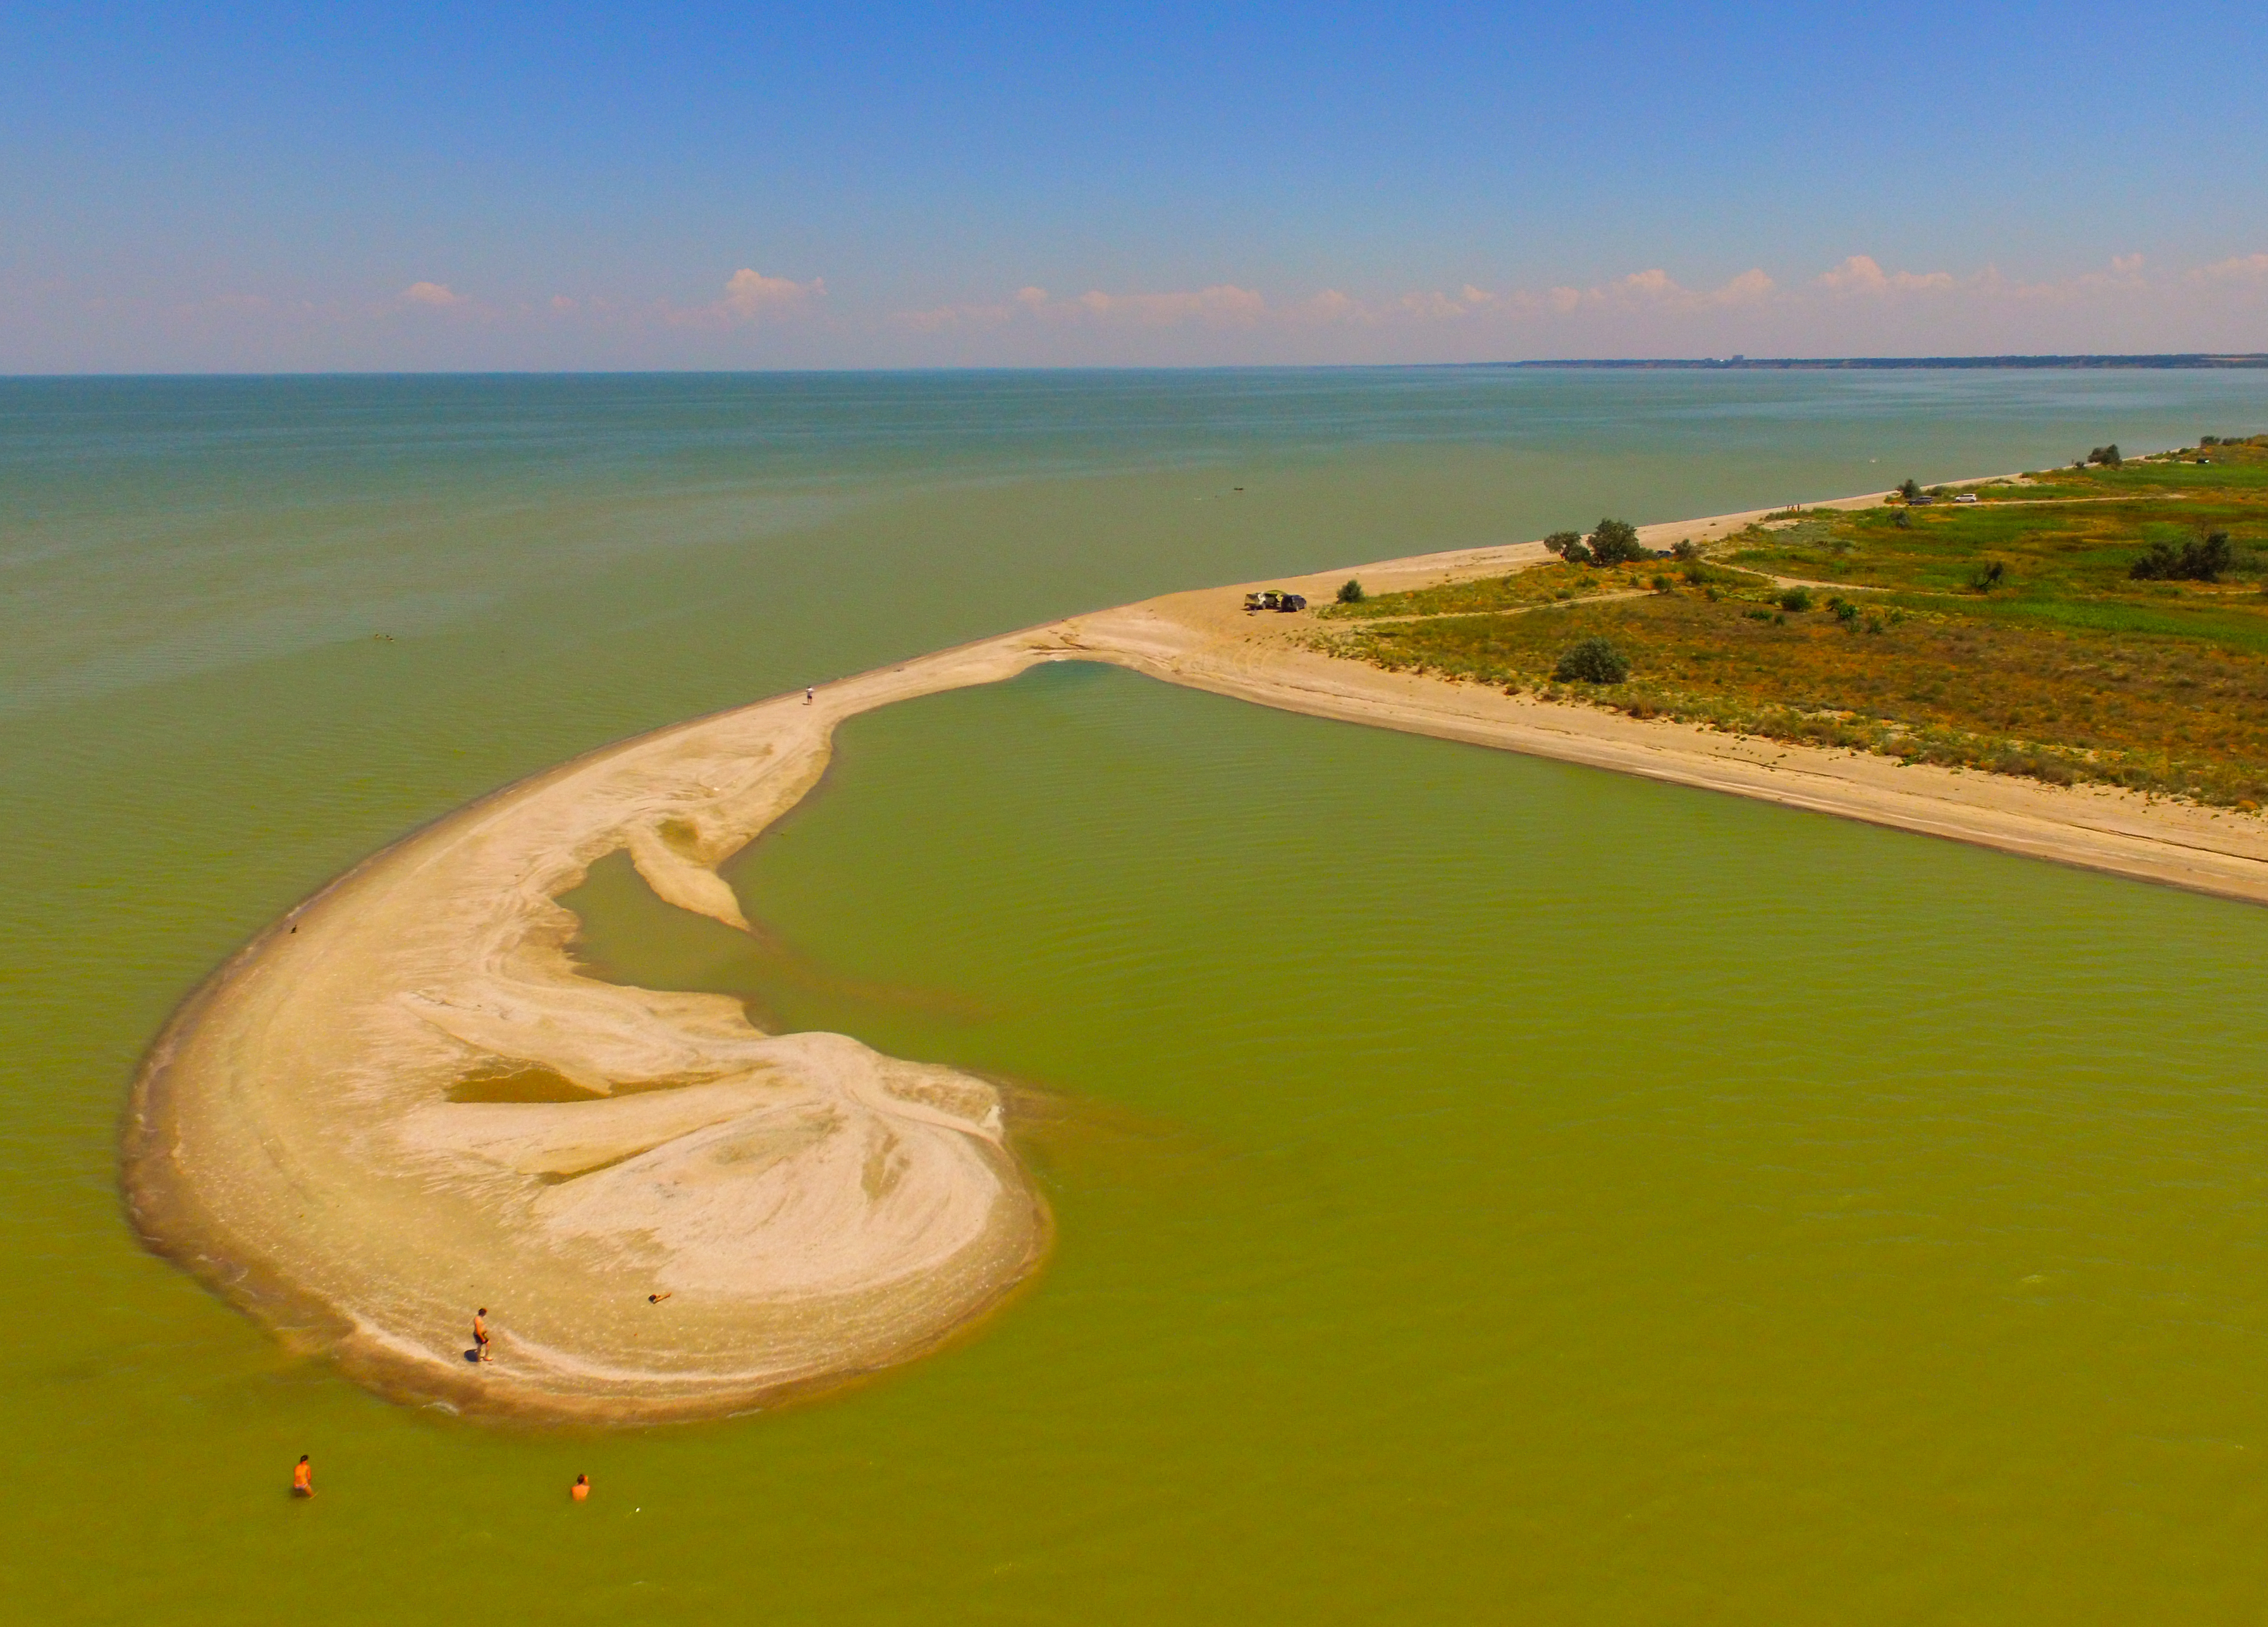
point(581, 1490)
point(302, 1478)
point(481, 1334)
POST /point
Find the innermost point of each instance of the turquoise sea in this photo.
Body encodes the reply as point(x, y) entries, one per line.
point(1487, 1189)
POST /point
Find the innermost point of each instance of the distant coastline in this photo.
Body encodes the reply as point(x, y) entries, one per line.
point(1862, 363)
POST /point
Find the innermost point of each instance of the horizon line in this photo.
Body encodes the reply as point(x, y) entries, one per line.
point(2192, 360)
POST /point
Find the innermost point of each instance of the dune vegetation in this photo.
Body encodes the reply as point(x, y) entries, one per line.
point(2104, 622)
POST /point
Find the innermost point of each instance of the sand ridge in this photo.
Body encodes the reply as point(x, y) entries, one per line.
point(812, 1209)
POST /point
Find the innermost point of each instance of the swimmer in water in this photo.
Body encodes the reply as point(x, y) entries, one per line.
point(302, 1478)
point(581, 1490)
point(656, 1299)
point(480, 1333)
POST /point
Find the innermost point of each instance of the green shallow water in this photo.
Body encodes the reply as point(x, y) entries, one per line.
point(1483, 1180)
point(1487, 1189)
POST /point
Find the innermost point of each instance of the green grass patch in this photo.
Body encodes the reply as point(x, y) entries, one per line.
point(2008, 635)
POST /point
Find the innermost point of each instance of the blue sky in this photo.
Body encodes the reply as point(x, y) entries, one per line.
point(422, 187)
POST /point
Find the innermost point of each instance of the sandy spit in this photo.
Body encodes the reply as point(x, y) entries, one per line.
point(810, 1209)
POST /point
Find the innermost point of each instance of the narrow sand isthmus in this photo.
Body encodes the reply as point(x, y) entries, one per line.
point(810, 1208)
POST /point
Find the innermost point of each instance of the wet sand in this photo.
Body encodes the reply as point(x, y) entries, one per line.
point(813, 1210)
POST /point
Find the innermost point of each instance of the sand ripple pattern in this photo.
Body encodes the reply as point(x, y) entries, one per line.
point(811, 1208)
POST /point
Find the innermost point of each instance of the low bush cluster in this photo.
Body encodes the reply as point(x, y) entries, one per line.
point(1592, 661)
point(2201, 558)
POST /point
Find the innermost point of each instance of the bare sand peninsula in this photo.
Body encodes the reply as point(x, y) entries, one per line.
point(403, 1103)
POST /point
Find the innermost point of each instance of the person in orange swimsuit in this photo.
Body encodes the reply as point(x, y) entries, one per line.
point(302, 1478)
point(481, 1332)
point(581, 1490)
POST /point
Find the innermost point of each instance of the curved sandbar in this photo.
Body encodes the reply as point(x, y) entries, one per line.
point(811, 1208)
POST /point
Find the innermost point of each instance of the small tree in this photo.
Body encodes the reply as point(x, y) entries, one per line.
point(1592, 661)
point(1615, 542)
point(1687, 550)
point(1351, 591)
point(1796, 598)
point(1570, 546)
point(1910, 488)
point(2107, 456)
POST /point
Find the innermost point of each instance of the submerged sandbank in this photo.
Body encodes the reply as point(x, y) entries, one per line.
point(811, 1208)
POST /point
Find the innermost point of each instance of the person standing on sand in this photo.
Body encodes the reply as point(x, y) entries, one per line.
point(302, 1478)
point(480, 1333)
point(581, 1490)
point(808, 694)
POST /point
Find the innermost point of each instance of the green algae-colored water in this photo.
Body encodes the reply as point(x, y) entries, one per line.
point(1486, 1189)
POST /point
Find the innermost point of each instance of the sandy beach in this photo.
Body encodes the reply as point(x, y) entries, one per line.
point(320, 1134)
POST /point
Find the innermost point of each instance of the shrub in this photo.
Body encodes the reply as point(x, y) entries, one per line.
point(1901, 520)
point(1616, 543)
point(1687, 549)
point(1351, 591)
point(1796, 598)
point(1592, 661)
point(1559, 541)
point(2107, 456)
point(1910, 488)
point(2201, 558)
point(1845, 612)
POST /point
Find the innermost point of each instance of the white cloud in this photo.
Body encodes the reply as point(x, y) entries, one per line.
point(2236, 268)
point(1863, 274)
point(749, 294)
point(1653, 290)
point(749, 297)
point(433, 297)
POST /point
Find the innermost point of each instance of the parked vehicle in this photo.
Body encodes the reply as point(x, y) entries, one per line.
point(1275, 598)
